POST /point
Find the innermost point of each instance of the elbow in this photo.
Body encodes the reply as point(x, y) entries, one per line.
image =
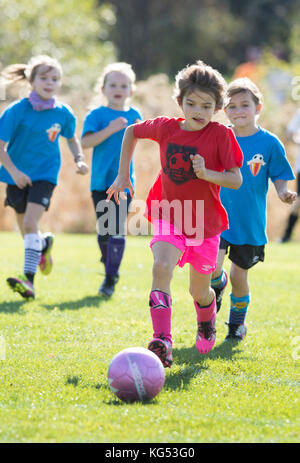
point(238, 182)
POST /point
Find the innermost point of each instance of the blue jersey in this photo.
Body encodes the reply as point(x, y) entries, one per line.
point(264, 159)
point(32, 138)
point(106, 155)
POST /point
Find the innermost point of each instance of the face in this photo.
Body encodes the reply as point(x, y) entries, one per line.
point(242, 111)
point(198, 108)
point(46, 81)
point(117, 89)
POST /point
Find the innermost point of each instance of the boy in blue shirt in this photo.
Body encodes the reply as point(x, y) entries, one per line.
point(30, 158)
point(264, 159)
point(103, 130)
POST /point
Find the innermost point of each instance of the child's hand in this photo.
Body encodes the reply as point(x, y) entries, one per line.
point(198, 165)
point(120, 184)
point(21, 179)
point(82, 168)
point(118, 124)
point(287, 196)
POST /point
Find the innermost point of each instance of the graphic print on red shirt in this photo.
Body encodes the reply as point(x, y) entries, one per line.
point(179, 167)
point(177, 183)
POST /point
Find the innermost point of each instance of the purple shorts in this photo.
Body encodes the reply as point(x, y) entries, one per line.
point(202, 255)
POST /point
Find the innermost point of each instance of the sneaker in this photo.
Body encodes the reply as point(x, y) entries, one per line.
point(237, 332)
point(162, 347)
point(108, 286)
point(46, 262)
point(219, 293)
point(22, 286)
point(206, 335)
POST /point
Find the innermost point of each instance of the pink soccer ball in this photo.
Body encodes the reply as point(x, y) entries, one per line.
point(135, 374)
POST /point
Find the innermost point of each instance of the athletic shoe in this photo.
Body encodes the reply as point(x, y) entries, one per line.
point(22, 286)
point(206, 335)
point(162, 347)
point(108, 286)
point(46, 262)
point(236, 332)
point(219, 293)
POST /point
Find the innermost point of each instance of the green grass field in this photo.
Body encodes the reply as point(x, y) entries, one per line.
point(55, 353)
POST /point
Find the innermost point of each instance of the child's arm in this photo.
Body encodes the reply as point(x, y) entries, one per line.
point(20, 179)
point(284, 194)
point(123, 179)
point(75, 149)
point(91, 139)
point(231, 178)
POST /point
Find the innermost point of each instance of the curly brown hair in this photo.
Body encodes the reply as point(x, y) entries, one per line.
point(201, 77)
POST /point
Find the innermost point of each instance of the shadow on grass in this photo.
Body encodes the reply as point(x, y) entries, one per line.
point(190, 355)
point(13, 307)
point(194, 363)
point(76, 381)
point(88, 301)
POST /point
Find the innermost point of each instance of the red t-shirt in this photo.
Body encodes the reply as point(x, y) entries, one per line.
point(177, 180)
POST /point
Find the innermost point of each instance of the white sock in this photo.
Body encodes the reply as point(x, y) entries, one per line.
point(33, 249)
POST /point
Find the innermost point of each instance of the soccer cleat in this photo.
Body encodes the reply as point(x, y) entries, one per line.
point(236, 332)
point(206, 335)
point(162, 347)
point(22, 286)
point(219, 293)
point(46, 262)
point(108, 286)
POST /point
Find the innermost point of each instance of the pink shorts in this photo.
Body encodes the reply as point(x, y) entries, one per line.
point(202, 256)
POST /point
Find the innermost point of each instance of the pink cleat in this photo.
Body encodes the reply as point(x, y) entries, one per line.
point(206, 335)
point(46, 262)
point(162, 347)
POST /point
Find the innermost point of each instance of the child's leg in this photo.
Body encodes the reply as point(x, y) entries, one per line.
point(102, 243)
point(239, 302)
point(111, 237)
point(28, 223)
point(294, 215)
point(219, 278)
point(20, 219)
point(32, 239)
point(205, 305)
point(114, 255)
point(165, 257)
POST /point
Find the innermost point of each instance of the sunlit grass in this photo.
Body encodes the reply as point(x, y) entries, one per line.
point(57, 348)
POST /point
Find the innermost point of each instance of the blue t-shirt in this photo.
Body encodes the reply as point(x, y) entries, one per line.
point(32, 138)
point(264, 159)
point(106, 155)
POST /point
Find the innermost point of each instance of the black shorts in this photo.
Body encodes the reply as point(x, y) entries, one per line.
point(298, 183)
point(245, 255)
point(111, 217)
point(40, 193)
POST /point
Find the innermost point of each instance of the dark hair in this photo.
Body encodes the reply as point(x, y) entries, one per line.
point(200, 76)
point(20, 72)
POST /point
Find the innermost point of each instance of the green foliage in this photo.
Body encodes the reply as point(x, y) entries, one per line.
point(76, 33)
point(173, 34)
point(53, 382)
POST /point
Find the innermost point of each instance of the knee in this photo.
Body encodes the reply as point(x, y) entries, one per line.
point(162, 270)
point(29, 226)
point(201, 294)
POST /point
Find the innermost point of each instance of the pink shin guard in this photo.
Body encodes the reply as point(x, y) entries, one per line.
point(161, 312)
point(206, 333)
point(204, 314)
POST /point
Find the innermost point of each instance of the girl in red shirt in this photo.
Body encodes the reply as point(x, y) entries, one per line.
point(197, 156)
